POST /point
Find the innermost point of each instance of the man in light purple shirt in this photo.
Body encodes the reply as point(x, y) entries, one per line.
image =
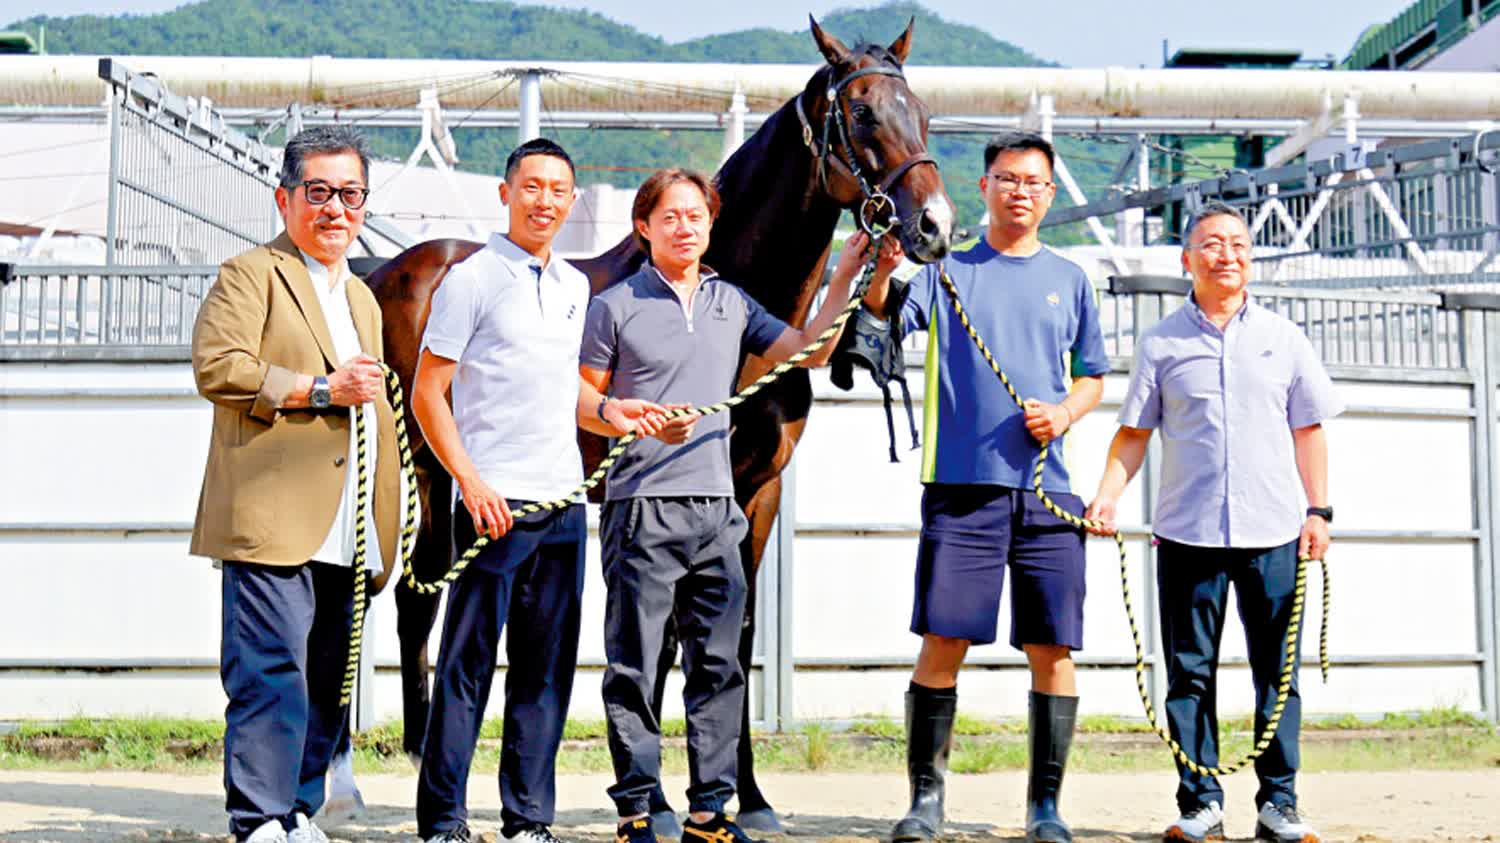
point(1240, 398)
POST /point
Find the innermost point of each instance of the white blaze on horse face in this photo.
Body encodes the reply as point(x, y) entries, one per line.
point(940, 211)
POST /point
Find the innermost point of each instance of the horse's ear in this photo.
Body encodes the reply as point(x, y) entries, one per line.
point(831, 47)
point(902, 46)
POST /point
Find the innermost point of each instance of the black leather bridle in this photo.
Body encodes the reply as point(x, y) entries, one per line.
point(877, 211)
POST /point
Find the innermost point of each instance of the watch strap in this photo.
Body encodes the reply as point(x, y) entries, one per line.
point(1323, 512)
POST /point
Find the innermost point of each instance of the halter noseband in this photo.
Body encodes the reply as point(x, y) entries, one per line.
point(877, 208)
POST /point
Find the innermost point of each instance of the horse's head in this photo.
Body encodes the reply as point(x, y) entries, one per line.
point(869, 133)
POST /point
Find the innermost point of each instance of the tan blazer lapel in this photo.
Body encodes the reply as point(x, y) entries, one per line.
point(293, 273)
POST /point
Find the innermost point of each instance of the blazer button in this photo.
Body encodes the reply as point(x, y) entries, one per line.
point(338, 461)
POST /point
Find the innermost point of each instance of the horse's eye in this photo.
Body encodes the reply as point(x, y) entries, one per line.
point(863, 115)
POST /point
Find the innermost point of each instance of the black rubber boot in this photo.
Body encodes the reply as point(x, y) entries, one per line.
point(929, 739)
point(1051, 734)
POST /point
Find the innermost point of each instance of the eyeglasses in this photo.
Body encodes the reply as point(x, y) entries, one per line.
point(1218, 248)
point(319, 192)
point(1010, 184)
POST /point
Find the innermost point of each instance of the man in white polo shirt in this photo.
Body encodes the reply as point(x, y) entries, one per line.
point(504, 332)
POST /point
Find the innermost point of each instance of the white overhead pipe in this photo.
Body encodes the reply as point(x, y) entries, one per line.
point(655, 86)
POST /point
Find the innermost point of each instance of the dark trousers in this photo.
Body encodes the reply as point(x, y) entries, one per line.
point(673, 558)
point(1193, 588)
point(533, 577)
point(283, 650)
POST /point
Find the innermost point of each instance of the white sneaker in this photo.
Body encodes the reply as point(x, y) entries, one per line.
point(531, 834)
point(1204, 824)
point(305, 832)
point(457, 835)
point(1281, 824)
point(269, 832)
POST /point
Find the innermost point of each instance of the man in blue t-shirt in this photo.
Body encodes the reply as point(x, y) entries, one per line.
point(1035, 311)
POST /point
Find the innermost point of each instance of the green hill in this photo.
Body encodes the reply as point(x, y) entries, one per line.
point(474, 29)
point(478, 29)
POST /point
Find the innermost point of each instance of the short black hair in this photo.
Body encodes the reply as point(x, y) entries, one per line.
point(537, 146)
point(1019, 142)
point(322, 140)
point(1209, 210)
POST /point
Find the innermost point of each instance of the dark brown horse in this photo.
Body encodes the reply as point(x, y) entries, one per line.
point(856, 132)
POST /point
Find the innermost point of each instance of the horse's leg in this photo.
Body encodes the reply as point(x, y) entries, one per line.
point(755, 810)
point(416, 612)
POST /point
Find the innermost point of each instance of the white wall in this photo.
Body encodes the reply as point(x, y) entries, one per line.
point(87, 443)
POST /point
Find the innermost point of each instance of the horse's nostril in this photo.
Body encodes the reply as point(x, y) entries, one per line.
point(929, 227)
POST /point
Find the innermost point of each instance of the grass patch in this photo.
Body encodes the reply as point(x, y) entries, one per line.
point(1442, 738)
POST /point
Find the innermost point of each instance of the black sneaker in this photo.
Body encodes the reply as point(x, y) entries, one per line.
point(635, 831)
point(720, 829)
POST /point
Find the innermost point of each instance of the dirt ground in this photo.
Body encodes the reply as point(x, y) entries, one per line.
point(1362, 807)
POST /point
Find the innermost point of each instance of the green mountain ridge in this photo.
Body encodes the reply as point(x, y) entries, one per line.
point(487, 29)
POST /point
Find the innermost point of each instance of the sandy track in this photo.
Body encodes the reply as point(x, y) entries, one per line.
point(1391, 807)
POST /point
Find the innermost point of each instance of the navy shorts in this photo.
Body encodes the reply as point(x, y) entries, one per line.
point(970, 534)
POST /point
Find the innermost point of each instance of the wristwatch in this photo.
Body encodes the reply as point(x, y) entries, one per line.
point(1323, 512)
point(321, 396)
point(599, 410)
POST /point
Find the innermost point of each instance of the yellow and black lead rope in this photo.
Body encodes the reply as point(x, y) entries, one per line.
point(1294, 626)
point(403, 446)
point(407, 539)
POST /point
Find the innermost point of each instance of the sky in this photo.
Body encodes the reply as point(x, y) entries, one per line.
point(1123, 34)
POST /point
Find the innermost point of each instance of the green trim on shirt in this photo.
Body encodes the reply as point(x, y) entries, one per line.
point(930, 401)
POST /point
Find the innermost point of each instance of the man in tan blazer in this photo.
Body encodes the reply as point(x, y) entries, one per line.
point(286, 347)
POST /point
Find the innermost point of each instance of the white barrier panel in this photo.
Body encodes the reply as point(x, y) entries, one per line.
point(106, 614)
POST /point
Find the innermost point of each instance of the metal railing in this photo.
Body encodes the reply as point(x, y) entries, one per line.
point(1383, 330)
point(185, 187)
point(99, 312)
point(1424, 215)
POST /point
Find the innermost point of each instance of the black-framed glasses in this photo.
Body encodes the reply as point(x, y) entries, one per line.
point(1010, 184)
point(319, 192)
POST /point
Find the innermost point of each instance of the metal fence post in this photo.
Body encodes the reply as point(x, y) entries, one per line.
point(1481, 347)
point(767, 629)
point(1486, 574)
point(112, 214)
point(786, 535)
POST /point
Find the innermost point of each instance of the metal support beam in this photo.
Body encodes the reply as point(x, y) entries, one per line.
point(734, 125)
point(530, 104)
point(112, 218)
point(1311, 131)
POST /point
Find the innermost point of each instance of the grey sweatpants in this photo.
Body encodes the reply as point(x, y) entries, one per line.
point(673, 558)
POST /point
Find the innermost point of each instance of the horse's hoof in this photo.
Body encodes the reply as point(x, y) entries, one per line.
point(342, 808)
point(761, 819)
point(664, 824)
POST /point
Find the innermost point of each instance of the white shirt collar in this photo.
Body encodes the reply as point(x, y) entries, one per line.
point(320, 273)
point(521, 262)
